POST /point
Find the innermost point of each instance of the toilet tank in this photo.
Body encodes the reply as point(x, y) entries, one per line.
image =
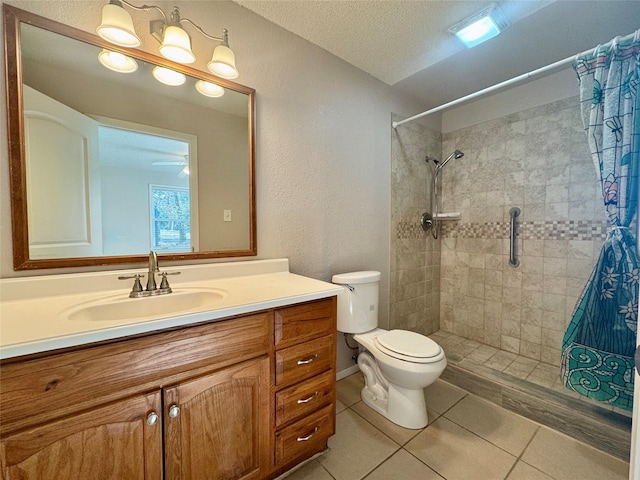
point(358, 305)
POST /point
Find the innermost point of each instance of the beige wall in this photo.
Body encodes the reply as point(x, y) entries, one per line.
point(323, 142)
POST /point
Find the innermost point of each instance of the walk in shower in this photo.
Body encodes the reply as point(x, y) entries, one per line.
point(501, 325)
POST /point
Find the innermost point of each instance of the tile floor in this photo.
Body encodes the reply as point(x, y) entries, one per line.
point(467, 438)
point(469, 354)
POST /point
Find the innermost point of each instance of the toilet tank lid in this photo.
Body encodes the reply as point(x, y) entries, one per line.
point(368, 276)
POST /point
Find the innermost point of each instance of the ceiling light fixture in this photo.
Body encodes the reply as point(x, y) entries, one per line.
point(480, 27)
point(117, 61)
point(175, 43)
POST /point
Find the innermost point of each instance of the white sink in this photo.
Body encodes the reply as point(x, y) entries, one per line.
point(116, 308)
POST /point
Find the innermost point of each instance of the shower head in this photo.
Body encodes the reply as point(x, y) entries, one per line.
point(457, 154)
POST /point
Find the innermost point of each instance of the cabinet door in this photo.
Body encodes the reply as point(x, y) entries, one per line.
point(117, 441)
point(217, 426)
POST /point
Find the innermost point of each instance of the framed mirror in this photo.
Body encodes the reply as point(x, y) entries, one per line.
point(107, 165)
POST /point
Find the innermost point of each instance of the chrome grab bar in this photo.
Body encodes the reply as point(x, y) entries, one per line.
point(513, 260)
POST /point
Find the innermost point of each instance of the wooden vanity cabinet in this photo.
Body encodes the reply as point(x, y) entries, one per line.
point(219, 424)
point(107, 411)
point(199, 402)
point(114, 441)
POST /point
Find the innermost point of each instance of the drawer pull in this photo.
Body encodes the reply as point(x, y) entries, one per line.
point(308, 399)
point(308, 360)
point(304, 439)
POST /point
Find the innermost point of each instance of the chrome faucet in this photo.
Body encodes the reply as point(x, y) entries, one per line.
point(153, 268)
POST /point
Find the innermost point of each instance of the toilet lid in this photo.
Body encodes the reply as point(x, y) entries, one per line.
point(408, 343)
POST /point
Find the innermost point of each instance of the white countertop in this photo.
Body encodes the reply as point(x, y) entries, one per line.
point(35, 311)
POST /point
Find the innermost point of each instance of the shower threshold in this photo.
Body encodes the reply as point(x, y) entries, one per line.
point(534, 390)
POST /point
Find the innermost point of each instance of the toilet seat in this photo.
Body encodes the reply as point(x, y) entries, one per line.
point(409, 346)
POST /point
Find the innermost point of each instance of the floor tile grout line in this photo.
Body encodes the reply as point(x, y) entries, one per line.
point(418, 431)
point(519, 458)
point(538, 425)
point(373, 425)
point(453, 404)
point(325, 469)
point(382, 462)
point(386, 458)
point(481, 437)
point(539, 470)
point(425, 464)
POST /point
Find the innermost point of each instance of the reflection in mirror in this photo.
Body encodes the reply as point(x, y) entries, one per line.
point(116, 163)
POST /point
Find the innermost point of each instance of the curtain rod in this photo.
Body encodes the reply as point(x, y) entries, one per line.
point(635, 35)
point(497, 86)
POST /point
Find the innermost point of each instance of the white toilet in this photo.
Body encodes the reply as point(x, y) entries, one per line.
point(397, 364)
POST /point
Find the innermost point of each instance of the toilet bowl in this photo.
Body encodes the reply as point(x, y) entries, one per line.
point(397, 364)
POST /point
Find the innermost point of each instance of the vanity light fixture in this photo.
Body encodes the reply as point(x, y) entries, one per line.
point(168, 76)
point(117, 26)
point(175, 43)
point(117, 61)
point(209, 89)
point(482, 26)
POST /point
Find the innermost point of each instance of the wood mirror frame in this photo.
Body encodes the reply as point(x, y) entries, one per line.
point(13, 18)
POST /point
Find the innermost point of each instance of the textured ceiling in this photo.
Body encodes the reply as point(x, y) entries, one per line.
point(390, 40)
point(406, 43)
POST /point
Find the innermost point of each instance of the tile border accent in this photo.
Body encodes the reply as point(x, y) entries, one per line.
point(534, 230)
point(410, 231)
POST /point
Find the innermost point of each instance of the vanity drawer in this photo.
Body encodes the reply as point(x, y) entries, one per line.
point(306, 437)
point(298, 324)
point(305, 360)
point(303, 398)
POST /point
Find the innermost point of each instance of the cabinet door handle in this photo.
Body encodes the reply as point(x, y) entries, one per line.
point(308, 360)
point(304, 439)
point(308, 399)
point(174, 411)
point(152, 418)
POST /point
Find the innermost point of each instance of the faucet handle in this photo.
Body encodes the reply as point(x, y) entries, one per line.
point(137, 286)
point(165, 283)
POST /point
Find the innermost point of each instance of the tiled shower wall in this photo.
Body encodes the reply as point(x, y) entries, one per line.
point(414, 299)
point(537, 160)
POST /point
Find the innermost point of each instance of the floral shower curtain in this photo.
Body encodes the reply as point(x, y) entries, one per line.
point(599, 344)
